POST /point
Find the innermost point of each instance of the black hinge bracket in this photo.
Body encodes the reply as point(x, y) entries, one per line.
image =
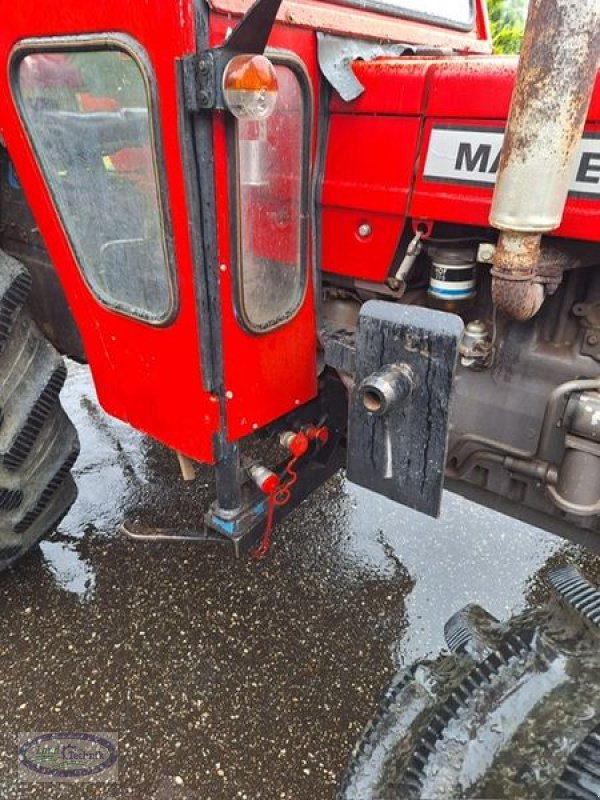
point(202, 77)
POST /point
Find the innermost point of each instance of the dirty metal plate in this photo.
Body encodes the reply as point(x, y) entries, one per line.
point(397, 440)
point(336, 54)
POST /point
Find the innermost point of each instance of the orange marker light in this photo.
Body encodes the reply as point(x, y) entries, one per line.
point(250, 87)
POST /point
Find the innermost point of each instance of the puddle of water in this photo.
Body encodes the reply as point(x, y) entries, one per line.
point(110, 461)
point(471, 554)
point(70, 570)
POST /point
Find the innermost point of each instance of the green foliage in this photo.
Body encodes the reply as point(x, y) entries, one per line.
point(507, 18)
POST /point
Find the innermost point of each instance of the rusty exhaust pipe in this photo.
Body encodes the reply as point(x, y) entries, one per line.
point(555, 79)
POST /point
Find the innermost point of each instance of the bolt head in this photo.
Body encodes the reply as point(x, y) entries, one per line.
point(486, 251)
point(476, 326)
point(364, 230)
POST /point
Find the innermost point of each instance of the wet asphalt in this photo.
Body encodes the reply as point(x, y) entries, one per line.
point(233, 679)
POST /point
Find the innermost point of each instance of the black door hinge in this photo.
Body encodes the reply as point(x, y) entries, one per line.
point(202, 74)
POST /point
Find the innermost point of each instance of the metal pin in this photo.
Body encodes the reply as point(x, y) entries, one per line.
point(412, 253)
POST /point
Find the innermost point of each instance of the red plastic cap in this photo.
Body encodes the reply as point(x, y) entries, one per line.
point(318, 434)
point(322, 435)
point(270, 484)
point(299, 444)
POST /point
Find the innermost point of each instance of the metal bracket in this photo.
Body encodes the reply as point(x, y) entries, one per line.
point(340, 350)
point(200, 84)
point(399, 408)
point(241, 533)
point(144, 533)
point(336, 55)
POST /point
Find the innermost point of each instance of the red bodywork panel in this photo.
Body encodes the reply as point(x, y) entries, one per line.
point(377, 151)
point(359, 188)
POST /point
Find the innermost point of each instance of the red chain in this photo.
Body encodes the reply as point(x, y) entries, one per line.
point(277, 499)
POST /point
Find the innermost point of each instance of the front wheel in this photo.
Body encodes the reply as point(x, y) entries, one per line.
point(513, 711)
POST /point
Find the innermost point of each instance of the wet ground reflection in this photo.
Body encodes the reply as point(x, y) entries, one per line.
point(238, 679)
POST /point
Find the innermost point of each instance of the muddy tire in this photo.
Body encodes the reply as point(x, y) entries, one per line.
point(513, 711)
point(38, 443)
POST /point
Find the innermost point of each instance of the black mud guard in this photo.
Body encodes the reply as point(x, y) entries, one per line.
point(399, 407)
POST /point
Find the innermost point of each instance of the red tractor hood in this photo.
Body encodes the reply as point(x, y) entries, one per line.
point(423, 142)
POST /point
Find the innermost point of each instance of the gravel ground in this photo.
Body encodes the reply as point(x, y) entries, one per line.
point(233, 679)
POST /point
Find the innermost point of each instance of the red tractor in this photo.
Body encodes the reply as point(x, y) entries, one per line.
point(289, 238)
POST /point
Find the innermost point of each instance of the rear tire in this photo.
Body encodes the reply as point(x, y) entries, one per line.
point(512, 712)
point(38, 442)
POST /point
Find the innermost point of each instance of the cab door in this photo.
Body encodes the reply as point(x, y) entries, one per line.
point(92, 117)
point(263, 171)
